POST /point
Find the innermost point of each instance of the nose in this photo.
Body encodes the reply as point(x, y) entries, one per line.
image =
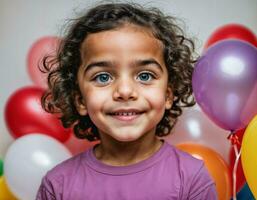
point(125, 90)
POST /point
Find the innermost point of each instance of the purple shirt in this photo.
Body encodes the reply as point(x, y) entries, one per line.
point(168, 174)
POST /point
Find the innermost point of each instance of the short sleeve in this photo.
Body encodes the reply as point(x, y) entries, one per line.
point(49, 190)
point(202, 186)
point(45, 192)
point(208, 193)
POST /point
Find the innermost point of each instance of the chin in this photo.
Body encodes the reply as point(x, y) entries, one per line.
point(126, 139)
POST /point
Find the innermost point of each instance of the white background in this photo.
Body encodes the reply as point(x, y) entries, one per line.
point(24, 21)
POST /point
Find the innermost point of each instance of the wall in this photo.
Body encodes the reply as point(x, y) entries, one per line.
point(24, 21)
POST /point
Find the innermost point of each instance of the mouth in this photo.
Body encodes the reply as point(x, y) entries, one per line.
point(126, 115)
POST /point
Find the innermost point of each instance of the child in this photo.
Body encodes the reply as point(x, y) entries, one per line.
point(121, 76)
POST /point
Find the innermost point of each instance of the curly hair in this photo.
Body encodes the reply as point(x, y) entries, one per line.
point(62, 78)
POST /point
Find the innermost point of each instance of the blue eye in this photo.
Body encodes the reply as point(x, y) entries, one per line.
point(103, 78)
point(145, 76)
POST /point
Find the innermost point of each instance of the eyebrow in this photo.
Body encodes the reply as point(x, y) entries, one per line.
point(139, 62)
point(150, 61)
point(98, 64)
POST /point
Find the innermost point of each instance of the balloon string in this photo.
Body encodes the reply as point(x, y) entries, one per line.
point(235, 141)
point(238, 154)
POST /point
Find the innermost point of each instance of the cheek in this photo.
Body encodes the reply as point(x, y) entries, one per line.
point(95, 100)
point(156, 98)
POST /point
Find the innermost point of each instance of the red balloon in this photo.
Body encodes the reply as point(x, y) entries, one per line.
point(232, 31)
point(42, 47)
point(240, 178)
point(76, 145)
point(24, 115)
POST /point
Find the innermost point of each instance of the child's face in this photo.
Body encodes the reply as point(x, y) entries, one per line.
point(123, 81)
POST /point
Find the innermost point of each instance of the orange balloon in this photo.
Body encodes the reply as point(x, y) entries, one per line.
point(215, 164)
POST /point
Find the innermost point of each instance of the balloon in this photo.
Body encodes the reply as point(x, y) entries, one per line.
point(1, 167)
point(215, 164)
point(76, 145)
point(24, 115)
point(245, 193)
point(225, 83)
point(240, 178)
point(42, 47)
point(232, 31)
point(5, 193)
point(248, 156)
point(5, 140)
point(194, 126)
point(28, 159)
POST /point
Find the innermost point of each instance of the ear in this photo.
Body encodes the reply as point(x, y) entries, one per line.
point(169, 98)
point(80, 105)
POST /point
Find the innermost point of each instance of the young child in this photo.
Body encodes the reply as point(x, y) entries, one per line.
point(121, 76)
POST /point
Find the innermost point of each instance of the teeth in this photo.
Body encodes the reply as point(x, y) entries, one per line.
point(126, 113)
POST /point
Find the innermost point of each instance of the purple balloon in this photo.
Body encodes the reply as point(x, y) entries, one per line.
point(225, 83)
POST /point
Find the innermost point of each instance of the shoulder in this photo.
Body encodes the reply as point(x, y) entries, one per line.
point(195, 180)
point(66, 167)
point(52, 184)
point(184, 161)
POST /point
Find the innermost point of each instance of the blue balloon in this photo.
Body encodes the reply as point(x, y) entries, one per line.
point(245, 193)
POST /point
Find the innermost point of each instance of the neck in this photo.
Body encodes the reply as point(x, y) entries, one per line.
point(116, 153)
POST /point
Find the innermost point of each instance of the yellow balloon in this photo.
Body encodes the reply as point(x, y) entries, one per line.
point(249, 155)
point(5, 193)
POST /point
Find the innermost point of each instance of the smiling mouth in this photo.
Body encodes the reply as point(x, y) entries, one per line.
point(126, 115)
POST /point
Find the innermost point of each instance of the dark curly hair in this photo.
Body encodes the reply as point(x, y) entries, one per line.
point(62, 79)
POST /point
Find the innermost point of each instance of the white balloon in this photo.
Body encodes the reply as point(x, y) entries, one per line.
point(28, 159)
point(5, 140)
point(195, 126)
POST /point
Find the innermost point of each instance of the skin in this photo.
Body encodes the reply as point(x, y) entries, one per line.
point(124, 89)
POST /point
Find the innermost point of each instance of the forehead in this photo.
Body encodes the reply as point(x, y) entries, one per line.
point(126, 41)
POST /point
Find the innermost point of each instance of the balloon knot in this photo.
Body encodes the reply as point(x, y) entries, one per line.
point(234, 139)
